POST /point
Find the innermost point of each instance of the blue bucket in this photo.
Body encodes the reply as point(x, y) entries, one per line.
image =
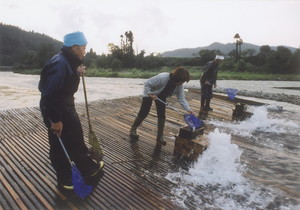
point(231, 93)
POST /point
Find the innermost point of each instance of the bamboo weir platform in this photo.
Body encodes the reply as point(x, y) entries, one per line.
point(134, 173)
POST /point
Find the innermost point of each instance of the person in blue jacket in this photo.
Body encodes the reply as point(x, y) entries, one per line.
point(59, 81)
point(161, 86)
point(208, 80)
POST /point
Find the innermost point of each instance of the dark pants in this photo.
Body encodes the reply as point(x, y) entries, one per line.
point(146, 106)
point(206, 92)
point(73, 140)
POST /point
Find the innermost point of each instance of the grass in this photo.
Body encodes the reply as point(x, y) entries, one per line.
point(195, 73)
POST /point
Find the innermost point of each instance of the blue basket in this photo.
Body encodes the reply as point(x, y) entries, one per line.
point(231, 93)
point(193, 121)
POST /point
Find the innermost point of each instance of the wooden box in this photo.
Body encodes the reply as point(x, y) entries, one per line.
point(188, 133)
point(190, 149)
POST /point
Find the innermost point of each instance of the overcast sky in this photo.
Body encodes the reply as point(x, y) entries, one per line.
point(159, 25)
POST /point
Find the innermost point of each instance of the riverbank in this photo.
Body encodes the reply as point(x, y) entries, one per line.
point(281, 96)
point(19, 90)
point(194, 74)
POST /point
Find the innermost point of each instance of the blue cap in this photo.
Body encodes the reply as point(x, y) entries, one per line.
point(75, 38)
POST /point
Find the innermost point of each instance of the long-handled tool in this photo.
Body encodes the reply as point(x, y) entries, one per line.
point(190, 119)
point(96, 149)
point(80, 188)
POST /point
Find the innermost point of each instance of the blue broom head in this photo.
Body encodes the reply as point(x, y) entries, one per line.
point(231, 93)
point(80, 188)
point(193, 121)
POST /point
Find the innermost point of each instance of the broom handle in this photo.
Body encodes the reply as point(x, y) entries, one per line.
point(62, 145)
point(86, 102)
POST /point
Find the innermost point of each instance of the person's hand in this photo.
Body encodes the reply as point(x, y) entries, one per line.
point(207, 82)
point(154, 97)
point(56, 128)
point(191, 112)
point(81, 70)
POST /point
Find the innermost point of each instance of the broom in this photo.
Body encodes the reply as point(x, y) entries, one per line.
point(80, 188)
point(96, 149)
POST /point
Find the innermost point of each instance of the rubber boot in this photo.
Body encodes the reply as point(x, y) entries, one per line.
point(160, 132)
point(202, 104)
point(201, 108)
point(207, 105)
point(133, 132)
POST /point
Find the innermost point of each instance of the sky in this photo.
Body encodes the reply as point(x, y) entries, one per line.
point(159, 25)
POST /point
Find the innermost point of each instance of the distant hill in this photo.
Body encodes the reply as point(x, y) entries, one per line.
point(15, 43)
point(224, 48)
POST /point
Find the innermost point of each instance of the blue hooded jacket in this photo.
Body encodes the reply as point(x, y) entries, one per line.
point(58, 82)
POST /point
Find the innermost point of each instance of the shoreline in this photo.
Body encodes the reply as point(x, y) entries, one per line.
point(20, 91)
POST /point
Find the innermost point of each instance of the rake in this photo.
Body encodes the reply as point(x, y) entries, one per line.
point(96, 149)
point(80, 188)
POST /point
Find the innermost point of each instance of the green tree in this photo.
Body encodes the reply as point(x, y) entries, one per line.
point(294, 63)
point(280, 60)
point(208, 55)
point(45, 52)
point(90, 59)
point(139, 59)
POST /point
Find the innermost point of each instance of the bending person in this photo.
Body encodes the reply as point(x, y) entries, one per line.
point(161, 86)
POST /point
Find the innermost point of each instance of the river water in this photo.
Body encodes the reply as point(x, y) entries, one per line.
point(253, 164)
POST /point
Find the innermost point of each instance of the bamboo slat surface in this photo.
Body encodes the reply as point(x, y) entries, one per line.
point(134, 174)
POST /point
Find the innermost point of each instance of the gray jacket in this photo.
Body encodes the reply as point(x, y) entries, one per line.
point(156, 84)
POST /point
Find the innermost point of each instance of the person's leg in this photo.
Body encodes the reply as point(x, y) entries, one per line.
point(60, 163)
point(161, 118)
point(209, 96)
point(203, 96)
point(143, 113)
point(72, 136)
point(57, 157)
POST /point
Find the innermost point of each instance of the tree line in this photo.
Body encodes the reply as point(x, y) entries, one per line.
point(280, 61)
point(24, 49)
point(30, 50)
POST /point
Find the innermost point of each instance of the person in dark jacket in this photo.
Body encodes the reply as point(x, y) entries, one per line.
point(59, 81)
point(161, 87)
point(208, 80)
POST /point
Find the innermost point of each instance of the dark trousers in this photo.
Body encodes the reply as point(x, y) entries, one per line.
point(146, 106)
point(73, 140)
point(206, 92)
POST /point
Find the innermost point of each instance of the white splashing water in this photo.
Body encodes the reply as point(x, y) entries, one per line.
point(260, 121)
point(216, 180)
point(220, 163)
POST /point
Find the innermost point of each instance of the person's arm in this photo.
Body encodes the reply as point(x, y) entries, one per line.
point(181, 99)
point(215, 76)
point(204, 74)
point(207, 73)
point(51, 85)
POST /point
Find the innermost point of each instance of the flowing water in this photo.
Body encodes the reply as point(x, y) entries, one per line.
point(251, 164)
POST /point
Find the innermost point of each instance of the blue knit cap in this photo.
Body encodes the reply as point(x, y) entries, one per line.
point(75, 38)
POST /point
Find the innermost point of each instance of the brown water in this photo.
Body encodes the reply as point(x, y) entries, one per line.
point(19, 91)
